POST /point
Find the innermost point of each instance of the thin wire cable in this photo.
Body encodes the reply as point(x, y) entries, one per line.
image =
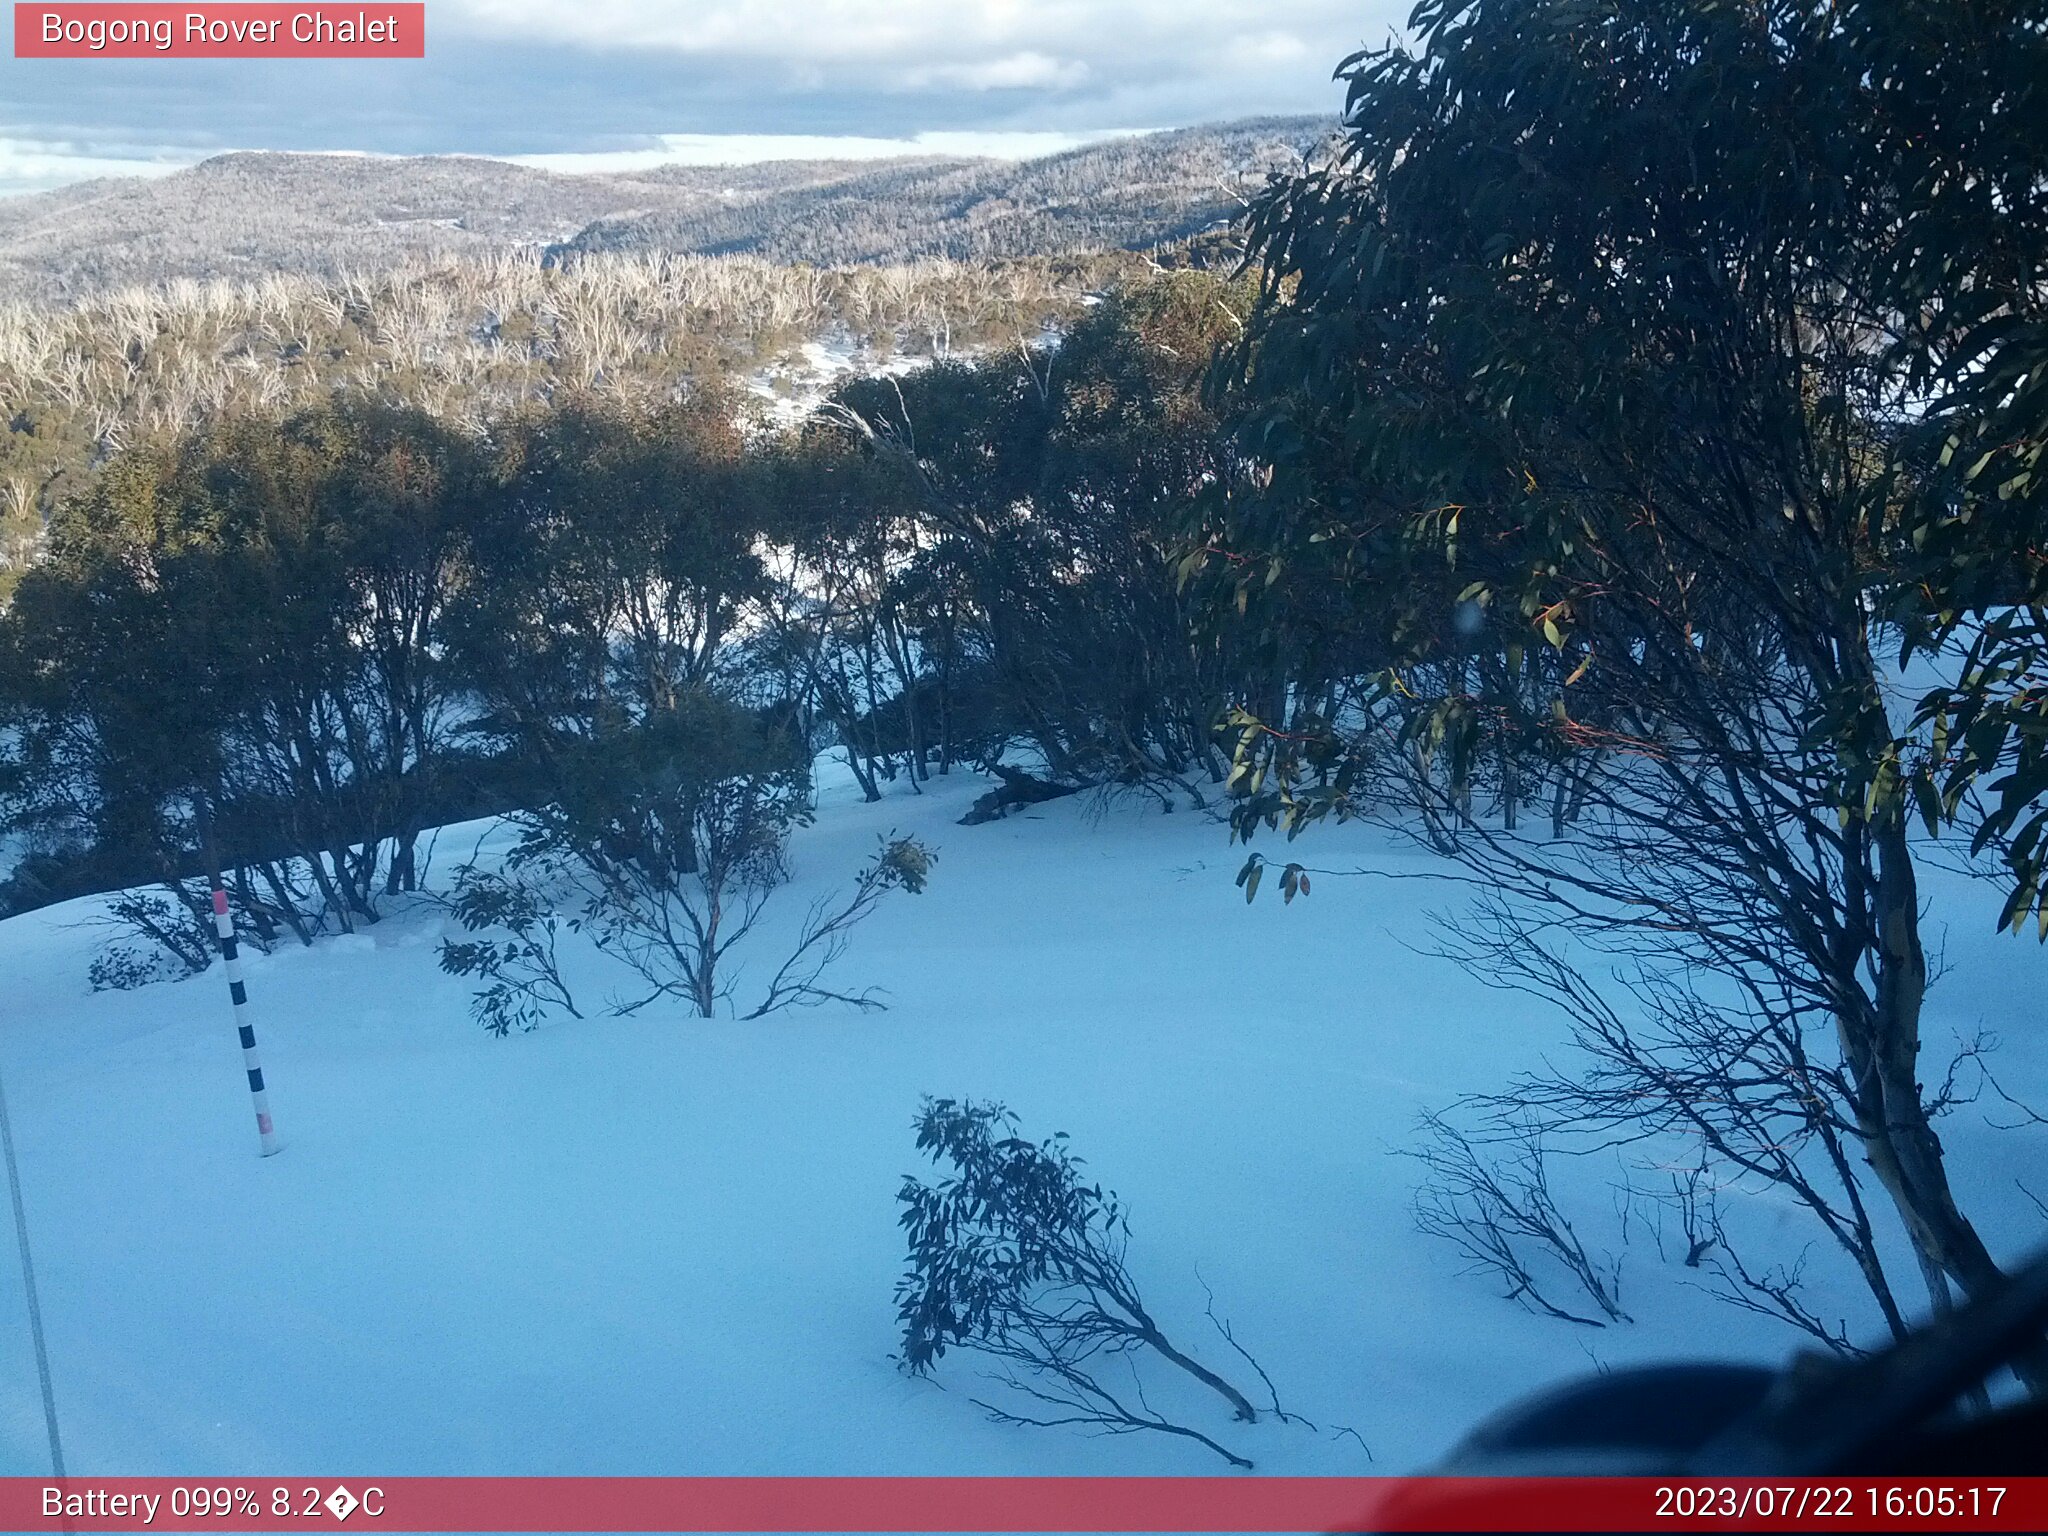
point(28, 1281)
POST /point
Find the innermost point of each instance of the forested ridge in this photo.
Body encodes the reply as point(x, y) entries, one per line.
point(254, 214)
point(1616, 471)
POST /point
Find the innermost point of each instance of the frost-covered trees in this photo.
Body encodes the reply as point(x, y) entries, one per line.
point(467, 340)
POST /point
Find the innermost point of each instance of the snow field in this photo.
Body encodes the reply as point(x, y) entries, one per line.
point(661, 1245)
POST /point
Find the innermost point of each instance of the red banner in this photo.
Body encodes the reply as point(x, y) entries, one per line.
point(1059, 1504)
point(360, 31)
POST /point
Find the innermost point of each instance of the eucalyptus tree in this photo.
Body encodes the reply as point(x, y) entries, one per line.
point(1584, 389)
point(252, 615)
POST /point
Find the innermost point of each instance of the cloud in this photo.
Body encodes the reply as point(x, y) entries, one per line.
point(1018, 71)
point(638, 81)
point(37, 165)
point(749, 149)
point(982, 45)
point(1269, 48)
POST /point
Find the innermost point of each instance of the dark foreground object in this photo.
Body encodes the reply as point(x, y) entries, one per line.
point(1902, 1412)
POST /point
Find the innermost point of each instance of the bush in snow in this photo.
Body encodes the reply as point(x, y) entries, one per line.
point(1495, 1206)
point(522, 967)
point(123, 968)
point(174, 924)
point(174, 943)
point(667, 840)
point(1016, 1255)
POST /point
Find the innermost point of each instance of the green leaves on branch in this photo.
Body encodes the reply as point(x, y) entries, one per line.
point(1294, 879)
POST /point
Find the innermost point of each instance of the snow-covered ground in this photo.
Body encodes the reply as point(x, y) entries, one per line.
point(659, 1245)
point(797, 383)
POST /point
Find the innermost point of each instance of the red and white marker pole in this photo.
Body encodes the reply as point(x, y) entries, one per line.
point(230, 952)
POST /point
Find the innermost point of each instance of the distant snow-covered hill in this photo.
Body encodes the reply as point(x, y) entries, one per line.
point(242, 215)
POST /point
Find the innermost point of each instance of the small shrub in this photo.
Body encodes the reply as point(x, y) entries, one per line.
point(124, 967)
point(523, 970)
point(1016, 1255)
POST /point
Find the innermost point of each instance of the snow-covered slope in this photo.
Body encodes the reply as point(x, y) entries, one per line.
point(657, 1245)
point(796, 384)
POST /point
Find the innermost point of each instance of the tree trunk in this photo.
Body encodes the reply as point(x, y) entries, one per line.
point(1883, 1055)
point(1203, 1374)
point(403, 874)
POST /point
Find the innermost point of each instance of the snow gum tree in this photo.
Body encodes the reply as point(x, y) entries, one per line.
point(664, 843)
point(1587, 387)
point(252, 614)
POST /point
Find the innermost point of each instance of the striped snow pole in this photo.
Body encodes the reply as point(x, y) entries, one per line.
point(230, 952)
point(224, 925)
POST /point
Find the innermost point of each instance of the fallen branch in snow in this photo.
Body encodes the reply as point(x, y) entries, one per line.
point(1092, 1406)
point(1230, 1337)
point(1015, 1257)
point(1500, 1214)
point(1017, 789)
point(1339, 1431)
